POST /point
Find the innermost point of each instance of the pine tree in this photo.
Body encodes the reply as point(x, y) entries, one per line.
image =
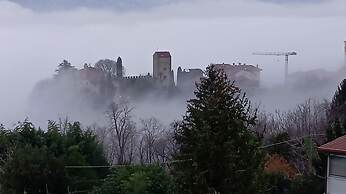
point(217, 152)
point(337, 113)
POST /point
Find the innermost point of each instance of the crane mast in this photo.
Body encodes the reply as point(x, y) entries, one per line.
point(286, 54)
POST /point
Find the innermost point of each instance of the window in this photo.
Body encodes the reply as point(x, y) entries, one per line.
point(337, 166)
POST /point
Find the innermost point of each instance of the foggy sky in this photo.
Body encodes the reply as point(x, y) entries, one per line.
point(44, 5)
point(197, 32)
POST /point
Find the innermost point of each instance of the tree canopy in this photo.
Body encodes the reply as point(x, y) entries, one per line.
point(217, 152)
point(137, 180)
point(35, 161)
point(337, 113)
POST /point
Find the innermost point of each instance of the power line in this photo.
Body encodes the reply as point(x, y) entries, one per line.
point(112, 166)
point(124, 165)
point(291, 140)
point(178, 161)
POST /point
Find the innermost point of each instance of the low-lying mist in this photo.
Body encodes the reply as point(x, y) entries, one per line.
point(34, 42)
point(66, 96)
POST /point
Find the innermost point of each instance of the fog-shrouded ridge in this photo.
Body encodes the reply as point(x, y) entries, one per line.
point(87, 99)
point(34, 42)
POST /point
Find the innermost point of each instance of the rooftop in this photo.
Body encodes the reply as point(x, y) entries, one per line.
point(337, 146)
point(163, 54)
point(239, 66)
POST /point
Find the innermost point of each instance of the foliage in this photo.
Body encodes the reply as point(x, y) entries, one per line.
point(34, 160)
point(283, 149)
point(307, 184)
point(216, 150)
point(107, 66)
point(64, 67)
point(137, 180)
point(337, 113)
point(279, 184)
point(311, 154)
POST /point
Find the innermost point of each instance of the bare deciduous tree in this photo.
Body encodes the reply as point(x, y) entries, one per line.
point(122, 131)
point(152, 130)
point(306, 122)
point(308, 118)
point(107, 66)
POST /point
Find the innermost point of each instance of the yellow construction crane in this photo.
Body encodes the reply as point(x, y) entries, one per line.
point(286, 54)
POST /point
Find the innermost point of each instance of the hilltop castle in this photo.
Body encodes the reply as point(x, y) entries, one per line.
point(107, 76)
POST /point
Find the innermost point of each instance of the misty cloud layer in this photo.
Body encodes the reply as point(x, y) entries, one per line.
point(197, 32)
point(43, 5)
point(121, 5)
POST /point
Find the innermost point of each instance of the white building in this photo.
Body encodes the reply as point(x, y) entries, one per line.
point(336, 169)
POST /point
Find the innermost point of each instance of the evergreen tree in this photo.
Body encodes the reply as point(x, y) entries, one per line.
point(65, 67)
point(337, 113)
point(136, 180)
point(217, 152)
point(34, 160)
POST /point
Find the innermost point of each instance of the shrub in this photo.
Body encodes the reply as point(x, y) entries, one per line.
point(136, 180)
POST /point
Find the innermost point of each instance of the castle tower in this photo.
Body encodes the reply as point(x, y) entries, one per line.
point(179, 76)
point(119, 67)
point(162, 68)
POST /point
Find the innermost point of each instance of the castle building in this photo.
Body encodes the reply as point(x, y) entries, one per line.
point(119, 68)
point(187, 78)
point(244, 76)
point(162, 69)
point(107, 77)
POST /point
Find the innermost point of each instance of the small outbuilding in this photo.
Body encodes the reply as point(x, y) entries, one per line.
point(336, 169)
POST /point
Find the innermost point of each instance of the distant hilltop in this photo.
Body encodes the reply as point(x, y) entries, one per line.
point(244, 75)
point(107, 78)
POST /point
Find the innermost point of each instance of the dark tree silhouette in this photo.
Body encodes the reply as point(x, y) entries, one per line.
point(217, 152)
point(337, 113)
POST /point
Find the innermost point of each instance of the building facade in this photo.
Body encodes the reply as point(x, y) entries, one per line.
point(107, 77)
point(162, 69)
point(187, 78)
point(336, 165)
point(244, 76)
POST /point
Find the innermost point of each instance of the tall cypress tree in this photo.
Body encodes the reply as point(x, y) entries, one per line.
point(217, 152)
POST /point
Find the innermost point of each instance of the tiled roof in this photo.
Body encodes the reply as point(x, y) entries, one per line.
point(337, 146)
point(163, 54)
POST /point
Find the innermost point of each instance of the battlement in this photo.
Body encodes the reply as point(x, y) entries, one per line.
point(138, 77)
